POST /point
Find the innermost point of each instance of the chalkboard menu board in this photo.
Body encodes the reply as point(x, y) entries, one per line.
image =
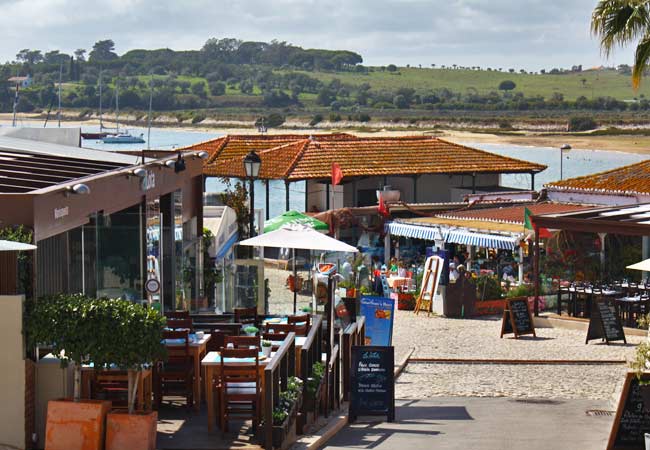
point(632, 419)
point(604, 323)
point(372, 382)
point(516, 318)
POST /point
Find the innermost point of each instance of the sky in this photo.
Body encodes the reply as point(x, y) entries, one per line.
point(524, 34)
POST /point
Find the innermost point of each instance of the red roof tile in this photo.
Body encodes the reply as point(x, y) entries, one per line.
point(411, 155)
point(632, 179)
point(511, 214)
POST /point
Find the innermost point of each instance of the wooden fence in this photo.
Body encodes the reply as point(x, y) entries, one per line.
point(276, 374)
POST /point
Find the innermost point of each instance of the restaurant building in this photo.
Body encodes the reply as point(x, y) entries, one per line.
point(418, 169)
point(106, 223)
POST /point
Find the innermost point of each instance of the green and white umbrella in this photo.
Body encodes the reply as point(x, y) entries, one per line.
point(294, 218)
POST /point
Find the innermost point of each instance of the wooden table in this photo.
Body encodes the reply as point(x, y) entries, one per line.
point(197, 350)
point(212, 365)
point(145, 384)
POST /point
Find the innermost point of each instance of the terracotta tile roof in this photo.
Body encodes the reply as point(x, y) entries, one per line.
point(511, 214)
point(632, 179)
point(411, 155)
point(238, 145)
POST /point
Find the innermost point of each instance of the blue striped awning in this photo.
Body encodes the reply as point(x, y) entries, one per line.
point(414, 231)
point(482, 240)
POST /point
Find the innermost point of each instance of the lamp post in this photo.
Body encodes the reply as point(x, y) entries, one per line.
point(565, 147)
point(252, 163)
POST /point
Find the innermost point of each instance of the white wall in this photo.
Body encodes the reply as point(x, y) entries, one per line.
point(12, 367)
point(595, 198)
point(60, 136)
point(317, 196)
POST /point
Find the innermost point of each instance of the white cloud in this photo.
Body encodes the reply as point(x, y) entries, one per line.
point(530, 33)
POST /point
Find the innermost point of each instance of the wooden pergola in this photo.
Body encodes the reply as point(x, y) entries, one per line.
point(628, 220)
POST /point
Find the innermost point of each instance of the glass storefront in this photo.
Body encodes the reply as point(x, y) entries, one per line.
point(154, 246)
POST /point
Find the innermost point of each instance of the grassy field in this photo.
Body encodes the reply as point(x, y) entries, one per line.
point(597, 82)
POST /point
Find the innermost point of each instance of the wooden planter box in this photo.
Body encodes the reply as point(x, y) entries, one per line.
point(489, 307)
point(405, 302)
point(133, 431)
point(76, 425)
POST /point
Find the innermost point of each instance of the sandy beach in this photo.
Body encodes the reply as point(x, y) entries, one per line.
point(623, 143)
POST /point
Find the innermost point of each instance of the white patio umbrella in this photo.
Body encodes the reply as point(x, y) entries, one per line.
point(12, 246)
point(298, 237)
point(642, 265)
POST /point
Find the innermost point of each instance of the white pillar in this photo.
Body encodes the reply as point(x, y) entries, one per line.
point(387, 249)
point(602, 237)
point(521, 265)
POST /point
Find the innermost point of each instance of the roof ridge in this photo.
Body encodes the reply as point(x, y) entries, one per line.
point(305, 143)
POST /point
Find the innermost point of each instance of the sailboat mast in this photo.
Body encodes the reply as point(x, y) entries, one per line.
point(101, 123)
point(149, 118)
point(58, 113)
point(117, 106)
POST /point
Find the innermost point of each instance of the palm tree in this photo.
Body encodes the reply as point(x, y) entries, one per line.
point(621, 22)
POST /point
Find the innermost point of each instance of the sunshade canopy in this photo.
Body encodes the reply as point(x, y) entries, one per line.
point(643, 265)
point(299, 237)
point(293, 217)
point(12, 246)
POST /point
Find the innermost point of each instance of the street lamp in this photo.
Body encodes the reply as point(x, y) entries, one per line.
point(252, 163)
point(565, 147)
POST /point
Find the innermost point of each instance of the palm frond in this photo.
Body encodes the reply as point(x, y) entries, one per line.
point(618, 22)
point(641, 60)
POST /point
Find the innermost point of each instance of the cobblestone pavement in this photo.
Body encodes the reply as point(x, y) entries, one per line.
point(437, 337)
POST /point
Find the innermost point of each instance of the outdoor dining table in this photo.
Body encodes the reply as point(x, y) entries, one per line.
point(630, 307)
point(212, 365)
point(145, 383)
point(299, 342)
point(197, 348)
point(588, 291)
point(397, 282)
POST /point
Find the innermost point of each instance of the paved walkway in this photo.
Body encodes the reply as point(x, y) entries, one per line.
point(448, 423)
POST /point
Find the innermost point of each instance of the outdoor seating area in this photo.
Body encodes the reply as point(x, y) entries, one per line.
point(264, 379)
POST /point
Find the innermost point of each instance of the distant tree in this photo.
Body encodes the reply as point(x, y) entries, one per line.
point(103, 51)
point(217, 88)
point(80, 54)
point(55, 57)
point(29, 56)
point(582, 124)
point(272, 120)
point(198, 89)
point(325, 97)
point(542, 71)
point(391, 68)
point(507, 85)
point(246, 86)
point(276, 98)
point(400, 102)
point(511, 70)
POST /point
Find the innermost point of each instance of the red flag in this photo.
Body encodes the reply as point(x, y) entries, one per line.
point(382, 208)
point(337, 174)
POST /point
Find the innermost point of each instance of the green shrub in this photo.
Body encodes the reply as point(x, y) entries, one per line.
point(318, 118)
point(488, 287)
point(582, 124)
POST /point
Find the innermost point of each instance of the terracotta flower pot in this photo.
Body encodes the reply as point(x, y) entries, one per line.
point(76, 425)
point(131, 431)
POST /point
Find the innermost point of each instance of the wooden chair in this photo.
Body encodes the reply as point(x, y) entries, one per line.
point(246, 316)
point(176, 375)
point(239, 388)
point(180, 314)
point(242, 342)
point(111, 385)
point(180, 324)
point(274, 337)
point(280, 328)
point(302, 324)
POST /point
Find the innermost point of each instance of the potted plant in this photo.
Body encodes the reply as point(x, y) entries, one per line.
point(285, 412)
point(135, 343)
point(266, 348)
point(251, 330)
point(313, 386)
point(71, 326)
point(489, 294)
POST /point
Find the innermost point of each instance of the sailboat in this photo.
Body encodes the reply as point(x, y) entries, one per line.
point(124, 137)
point(102, 129)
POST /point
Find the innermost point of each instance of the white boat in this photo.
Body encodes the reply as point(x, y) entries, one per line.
point(124, 138)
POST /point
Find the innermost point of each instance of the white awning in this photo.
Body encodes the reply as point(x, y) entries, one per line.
point(482, 240)
point(414, 231)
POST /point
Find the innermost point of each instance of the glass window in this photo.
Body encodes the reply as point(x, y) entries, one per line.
point(120, 254)
point(154, 247)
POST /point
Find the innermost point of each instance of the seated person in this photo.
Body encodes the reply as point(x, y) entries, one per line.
point(453, 273)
